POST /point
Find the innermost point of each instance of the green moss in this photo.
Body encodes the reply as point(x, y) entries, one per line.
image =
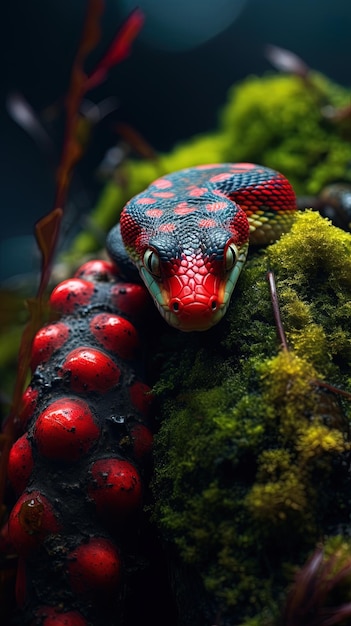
point(251, 467)
point(279, 121)
point(314, 261)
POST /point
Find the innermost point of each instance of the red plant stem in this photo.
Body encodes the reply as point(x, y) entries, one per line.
point(335, 390)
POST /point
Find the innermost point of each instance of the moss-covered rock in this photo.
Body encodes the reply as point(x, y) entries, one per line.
point(252, 455)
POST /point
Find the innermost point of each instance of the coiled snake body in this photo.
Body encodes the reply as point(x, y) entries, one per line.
point(188, 235)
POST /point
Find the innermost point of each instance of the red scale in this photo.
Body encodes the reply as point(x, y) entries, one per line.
point(116, 334)
point(115, 487)
point(47, 340)
point(94, 567)
point(28, 406)
point(66, 430)
point(71, 294)
point(20, 464)
point(32, 519)
point(54, 616)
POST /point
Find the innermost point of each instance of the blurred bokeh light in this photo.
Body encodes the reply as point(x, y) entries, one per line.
point(178, 25)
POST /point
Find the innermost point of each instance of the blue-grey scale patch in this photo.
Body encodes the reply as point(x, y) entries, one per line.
point(236, 181)
point(188, 237)
point(246, 181)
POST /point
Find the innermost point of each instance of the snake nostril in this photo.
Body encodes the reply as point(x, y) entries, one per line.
point(176, 307)
point(214, 305)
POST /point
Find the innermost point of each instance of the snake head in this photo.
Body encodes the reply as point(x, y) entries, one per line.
point(192, 287)
point(189, 255)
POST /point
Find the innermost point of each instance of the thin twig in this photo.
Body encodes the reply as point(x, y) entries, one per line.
point(276, 310)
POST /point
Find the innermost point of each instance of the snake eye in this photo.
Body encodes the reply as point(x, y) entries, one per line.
point(230, 256)
point(152, 262)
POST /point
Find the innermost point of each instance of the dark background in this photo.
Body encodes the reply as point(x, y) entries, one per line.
point(166, 95)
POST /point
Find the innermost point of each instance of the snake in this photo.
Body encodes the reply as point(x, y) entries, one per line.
point(188, 235)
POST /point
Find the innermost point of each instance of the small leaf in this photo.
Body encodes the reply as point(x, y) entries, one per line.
point(286, 61)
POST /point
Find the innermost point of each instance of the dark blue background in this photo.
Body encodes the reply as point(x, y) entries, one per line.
point(166, 96)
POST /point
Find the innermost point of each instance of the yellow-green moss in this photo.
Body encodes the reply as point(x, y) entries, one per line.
point(252, 455)
point(314, 266)
point(279, 121)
